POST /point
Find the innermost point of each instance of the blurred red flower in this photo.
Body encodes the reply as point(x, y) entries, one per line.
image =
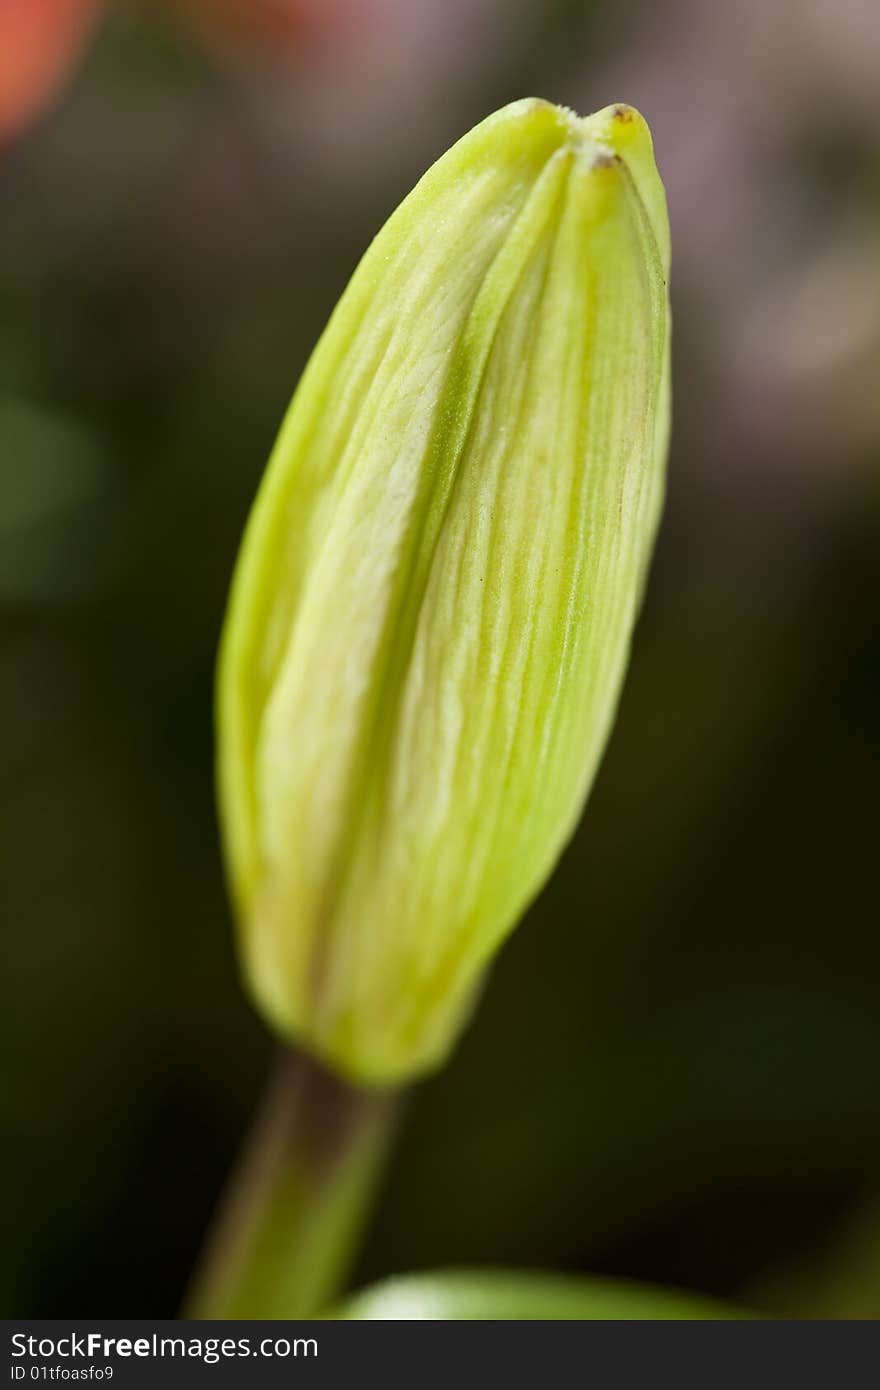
point(39, 43)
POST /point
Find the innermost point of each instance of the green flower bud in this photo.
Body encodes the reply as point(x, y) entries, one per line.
point(432, 609)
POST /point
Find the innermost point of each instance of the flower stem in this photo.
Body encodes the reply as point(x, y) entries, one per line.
point(288, 1226)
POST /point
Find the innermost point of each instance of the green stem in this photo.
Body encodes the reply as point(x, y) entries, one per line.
point(288, 1227)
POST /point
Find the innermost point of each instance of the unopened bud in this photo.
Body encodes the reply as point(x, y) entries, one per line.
point(432, 610)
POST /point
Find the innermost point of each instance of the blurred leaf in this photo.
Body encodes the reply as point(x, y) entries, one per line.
point(513, 1296)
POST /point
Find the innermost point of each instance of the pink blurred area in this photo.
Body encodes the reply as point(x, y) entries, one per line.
point(370, 74)
point(274, 31)
point(368, 83)
point(766, 122)
point(765, 119)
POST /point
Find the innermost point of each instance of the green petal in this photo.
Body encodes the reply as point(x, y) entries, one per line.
point(431, 615)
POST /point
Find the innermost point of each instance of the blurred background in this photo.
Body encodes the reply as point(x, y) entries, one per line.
point(674, 1074)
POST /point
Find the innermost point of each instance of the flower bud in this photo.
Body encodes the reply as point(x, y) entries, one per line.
point(432, 609)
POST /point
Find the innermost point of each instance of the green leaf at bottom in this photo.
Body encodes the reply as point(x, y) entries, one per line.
point(514, 1295)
